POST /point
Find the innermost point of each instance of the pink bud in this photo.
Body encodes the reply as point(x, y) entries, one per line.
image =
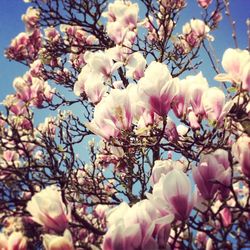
point(55, 242)
point(226, 217)
point(204, 3)
point(240, 151)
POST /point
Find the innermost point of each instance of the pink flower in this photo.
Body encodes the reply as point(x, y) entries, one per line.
point(48, 210)
point(226, 216)
point(136, 65)
point(54, 242)
point(204, 3)
point(15, 105)
point(140, 226)
point(197, 85)
point(31, 18)
point(213, 174)
point(173, 193)
point(234, 62)
point(112, 114)
point(179, 104)
point(124, 12)
point(193, 119)
point(33, 90)
point(10, 155)
point(116, 32)
point(16, 241)
point(215, 105)
point(101, 63)
point(25, 46)
point(195, 31)
point(52, 34)
point(157, 88)
point(162, 167)
point(246, 77)
point(90, 83)
point(240, 151)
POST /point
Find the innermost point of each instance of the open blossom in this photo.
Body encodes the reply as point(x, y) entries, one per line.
point(213, 174)
point(195, 31)
point(136, 65)
point(48, 127)
point(15, 105)
point(215, 105)
point(157, 88)
point(112, 114)
point(98, 69)
point(31, 18)
point(162, 167)
point(56, 242)
point(16, 241)
point(52, 34)
point(173, 193)
point(126, 13)
point(122, 19)
point(33, 90)
point(90, 83)
point(25, 46)
point(48, 210)
point(236, 64)
point(138, 227)
point(240, 151)
point(101, 63)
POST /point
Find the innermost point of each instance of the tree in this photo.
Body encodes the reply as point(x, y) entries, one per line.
point(167, 164)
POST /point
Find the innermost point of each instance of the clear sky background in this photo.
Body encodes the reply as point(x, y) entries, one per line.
point(11, 25)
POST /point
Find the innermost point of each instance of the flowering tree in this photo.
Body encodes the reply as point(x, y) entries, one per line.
point(167, 164)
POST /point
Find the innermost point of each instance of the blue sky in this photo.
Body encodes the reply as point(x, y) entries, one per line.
point(11, 25)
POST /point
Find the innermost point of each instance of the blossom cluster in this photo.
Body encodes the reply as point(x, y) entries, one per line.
point(168, 164)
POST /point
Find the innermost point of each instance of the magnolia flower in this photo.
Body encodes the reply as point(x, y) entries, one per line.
point(246, 77)
point(52, 34)
point(101, 63)
point(204, 3)
point(213, 174)
point(173, 193)
point(112, 114)
point(95, 88)
point(215, 106)
point(31, 18)
point(48, 127)
point(162, 167)
point(195, 31)
point(124, 12)
point(157, 88)
point(236, 64)
point(136, 65)
point(55, 242)
point(193, 119)
point(48, 210)
point(116, 32)
point(16, 241)
point(197, 85)
point(33, 90)
point(179, 104)
point(140, 226)
point(91, 83)
point(240, 151)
